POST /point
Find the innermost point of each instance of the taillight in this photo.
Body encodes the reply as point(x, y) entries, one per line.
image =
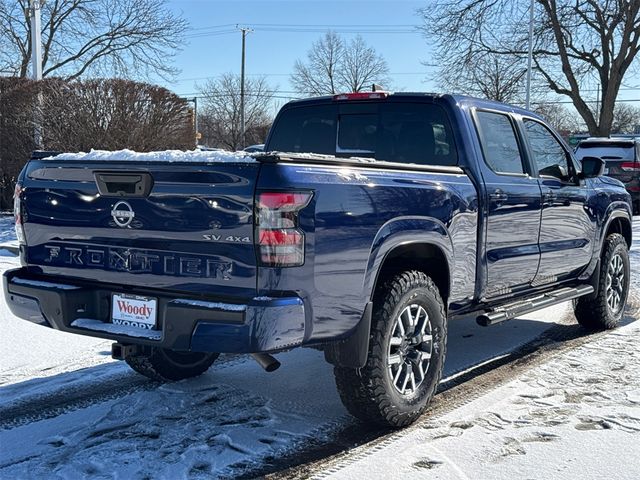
point(280, 241)
point(630, 166)
point(17, 213)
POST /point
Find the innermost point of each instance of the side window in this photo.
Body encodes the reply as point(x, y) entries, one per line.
point(415, 133)
point(499, 142)
point(549, 156)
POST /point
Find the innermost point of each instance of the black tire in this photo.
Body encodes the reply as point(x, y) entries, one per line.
point(370, 393)
point(595, 312)
point(165, 365)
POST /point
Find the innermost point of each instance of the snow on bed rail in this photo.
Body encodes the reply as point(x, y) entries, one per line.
point(170, 156)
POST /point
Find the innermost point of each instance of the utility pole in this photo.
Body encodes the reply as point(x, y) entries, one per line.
point(528, 100)
point(195, 118)
point(36, 62)
point(244, 31)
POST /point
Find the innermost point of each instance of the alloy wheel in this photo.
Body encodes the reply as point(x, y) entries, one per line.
point(615, 284)
point(410, 349)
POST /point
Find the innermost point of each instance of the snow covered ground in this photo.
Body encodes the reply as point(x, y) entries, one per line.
point(68, 411)
point(577, 416)
point(7, 235)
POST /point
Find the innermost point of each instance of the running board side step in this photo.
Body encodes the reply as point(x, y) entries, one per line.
point(522, 307)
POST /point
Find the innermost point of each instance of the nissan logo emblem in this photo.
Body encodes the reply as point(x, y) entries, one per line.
point(122, 214)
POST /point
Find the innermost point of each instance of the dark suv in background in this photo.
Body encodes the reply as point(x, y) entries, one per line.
point(622, 163)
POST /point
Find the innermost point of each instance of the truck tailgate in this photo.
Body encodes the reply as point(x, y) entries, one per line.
point(193, 231)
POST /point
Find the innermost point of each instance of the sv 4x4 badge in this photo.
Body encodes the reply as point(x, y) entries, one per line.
point(228, 238)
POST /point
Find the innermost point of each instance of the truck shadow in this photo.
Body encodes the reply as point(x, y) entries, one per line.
point(234, 421)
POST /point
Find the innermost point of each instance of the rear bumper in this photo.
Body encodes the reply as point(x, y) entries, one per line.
point(257, 325)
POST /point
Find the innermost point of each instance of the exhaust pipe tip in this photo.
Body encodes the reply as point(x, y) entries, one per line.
point(266, 361)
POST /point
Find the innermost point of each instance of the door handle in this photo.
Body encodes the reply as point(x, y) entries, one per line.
point(549, 198)
point(498, 196)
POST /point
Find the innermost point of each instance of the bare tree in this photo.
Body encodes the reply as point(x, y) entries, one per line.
point(334, 66)
point(496, 77)
point(626, 119)
point(319, 74)
point(129, 38)
point(577, 43)
point(361, 66)
point(219, 121)
point(558, 116)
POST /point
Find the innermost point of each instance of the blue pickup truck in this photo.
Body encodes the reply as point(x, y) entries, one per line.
point(371, 221)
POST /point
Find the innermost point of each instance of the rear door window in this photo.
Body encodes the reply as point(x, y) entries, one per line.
point(394, 132)
point(499, 143)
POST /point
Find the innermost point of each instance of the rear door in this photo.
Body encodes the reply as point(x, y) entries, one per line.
point(513, 205)
point(191, 231)
point(567, 231)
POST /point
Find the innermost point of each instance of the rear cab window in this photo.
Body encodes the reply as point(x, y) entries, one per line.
point(402, 132)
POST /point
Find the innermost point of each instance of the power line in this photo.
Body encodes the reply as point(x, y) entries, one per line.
point(223, 29)
point(211, 77)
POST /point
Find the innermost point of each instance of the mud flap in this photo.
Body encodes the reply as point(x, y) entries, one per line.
point(352, 352)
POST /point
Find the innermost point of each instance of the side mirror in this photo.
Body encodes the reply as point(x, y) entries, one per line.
point(592, 167)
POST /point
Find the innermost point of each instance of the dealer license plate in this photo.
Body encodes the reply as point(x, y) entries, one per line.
point(134, 311)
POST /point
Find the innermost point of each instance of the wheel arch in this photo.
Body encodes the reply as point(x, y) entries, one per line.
point(618, 222)
point(426, 257)
point(411, 243)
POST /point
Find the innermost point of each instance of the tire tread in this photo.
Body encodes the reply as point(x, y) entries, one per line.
point(362, 390)
point(592, 312)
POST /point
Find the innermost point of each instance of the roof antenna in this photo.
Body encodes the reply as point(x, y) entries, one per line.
point(377, 88)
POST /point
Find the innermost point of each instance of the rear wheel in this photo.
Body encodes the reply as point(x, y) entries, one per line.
point(605, 309)
point(406, 354)
point(165, 365)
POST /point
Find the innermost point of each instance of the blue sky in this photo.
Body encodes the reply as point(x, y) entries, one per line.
point(214, 48)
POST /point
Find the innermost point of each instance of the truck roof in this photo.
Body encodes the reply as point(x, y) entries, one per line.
point(460, 100)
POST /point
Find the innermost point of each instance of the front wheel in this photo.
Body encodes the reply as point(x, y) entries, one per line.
point(406, 354)
point(604, 309)
point(166, 365)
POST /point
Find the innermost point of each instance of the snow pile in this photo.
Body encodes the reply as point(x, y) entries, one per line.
point(171, 156)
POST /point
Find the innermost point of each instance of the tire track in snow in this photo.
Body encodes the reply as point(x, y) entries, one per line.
point(83, 395)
